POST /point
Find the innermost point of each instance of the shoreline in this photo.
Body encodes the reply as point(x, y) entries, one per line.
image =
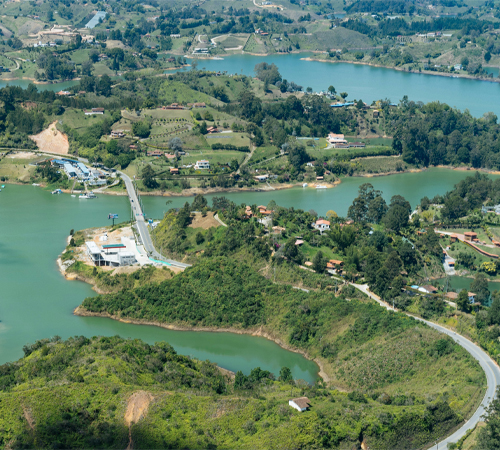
point(423, 72)
point(257, 332)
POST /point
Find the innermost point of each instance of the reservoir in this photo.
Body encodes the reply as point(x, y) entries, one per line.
point(37, 302)
point(359, 81)
point(371, 83)
point(412, 186)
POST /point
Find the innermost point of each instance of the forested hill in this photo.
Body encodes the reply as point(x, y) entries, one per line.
point(435, 133)
point(362, 347)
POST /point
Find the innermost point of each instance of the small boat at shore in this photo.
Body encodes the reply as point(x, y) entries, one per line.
point(35, 184)
point(304, 185)
point(73, 195)
point(216, 58)
point(57, 191)
point(320, 186)
point(88, 195)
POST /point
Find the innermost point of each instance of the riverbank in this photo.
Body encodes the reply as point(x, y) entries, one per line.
point(257, 332)
point(423, 72)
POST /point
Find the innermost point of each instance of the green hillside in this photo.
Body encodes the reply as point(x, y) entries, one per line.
point(362, 347)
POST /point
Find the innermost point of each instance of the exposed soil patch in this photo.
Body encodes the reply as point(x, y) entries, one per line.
point(29, 418)
point(52, 140)
point(137, 408)
point(204, 222)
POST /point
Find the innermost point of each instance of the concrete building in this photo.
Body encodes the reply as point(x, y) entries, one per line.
point(114, 255)
point(203, 164)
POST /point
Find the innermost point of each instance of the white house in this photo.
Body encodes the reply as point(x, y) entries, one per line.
point(321, 225)
point(300, 404)
point(203, 164)
point(336, 139)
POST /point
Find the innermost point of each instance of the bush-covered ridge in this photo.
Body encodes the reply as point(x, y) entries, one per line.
point(75, 394)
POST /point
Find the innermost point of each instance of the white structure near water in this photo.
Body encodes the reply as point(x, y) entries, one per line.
point(114, 255)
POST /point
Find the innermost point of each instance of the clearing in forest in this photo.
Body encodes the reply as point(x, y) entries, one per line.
point(52, 140)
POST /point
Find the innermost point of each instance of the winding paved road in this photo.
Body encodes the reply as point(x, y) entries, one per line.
point(489, 366)
point(142, 226)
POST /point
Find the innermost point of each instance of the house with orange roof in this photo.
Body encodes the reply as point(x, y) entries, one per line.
point(321, 225)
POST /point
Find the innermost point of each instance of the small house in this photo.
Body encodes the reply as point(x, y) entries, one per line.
point(336, 138)
point(321, 225)
point(93, 111)
point(470, 236)
point(154, 153)
point(300, 404)
point(452, 296)
point(334, 264)
point(472, 297)
point(211, 130)
point(174, 171)
point(117, 134)
point(428, 289)
point(203, 164)
point(376, 113)
point(453, 238)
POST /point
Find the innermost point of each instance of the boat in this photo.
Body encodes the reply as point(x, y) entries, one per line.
point(73, 195)
point(304, 185)
point(216, 58)
point(88, 195)
point(57, 191)
point(3, 185)
point(320, 186)
point(35, 184)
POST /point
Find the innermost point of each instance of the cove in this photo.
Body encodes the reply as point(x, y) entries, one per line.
point(370, 83)
point(413, 186)
point(37, 302)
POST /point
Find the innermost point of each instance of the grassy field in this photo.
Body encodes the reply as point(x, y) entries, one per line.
point(238, 139)
point(77, 119)
point(17, 169)
point(262, 153)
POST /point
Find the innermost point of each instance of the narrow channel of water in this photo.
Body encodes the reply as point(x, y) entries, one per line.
point(412, 186)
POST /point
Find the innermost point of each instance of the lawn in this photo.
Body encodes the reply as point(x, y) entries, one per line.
point(214, 156)
point(262, 153)
point(238, 139)
point(75, 118)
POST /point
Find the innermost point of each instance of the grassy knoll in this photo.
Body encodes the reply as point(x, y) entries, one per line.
point(362, 347)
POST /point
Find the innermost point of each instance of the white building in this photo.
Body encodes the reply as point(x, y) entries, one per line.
point(203, 164)
point(321, 225)
point(300, 404)
point(114, 255)
point(336, 139)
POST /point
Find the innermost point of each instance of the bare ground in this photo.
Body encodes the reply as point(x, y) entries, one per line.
point(52, 140)
point(137, 408)
point(204, 222)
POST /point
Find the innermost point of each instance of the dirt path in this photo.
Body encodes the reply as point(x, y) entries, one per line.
point(137, 408)
point(52, 140)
